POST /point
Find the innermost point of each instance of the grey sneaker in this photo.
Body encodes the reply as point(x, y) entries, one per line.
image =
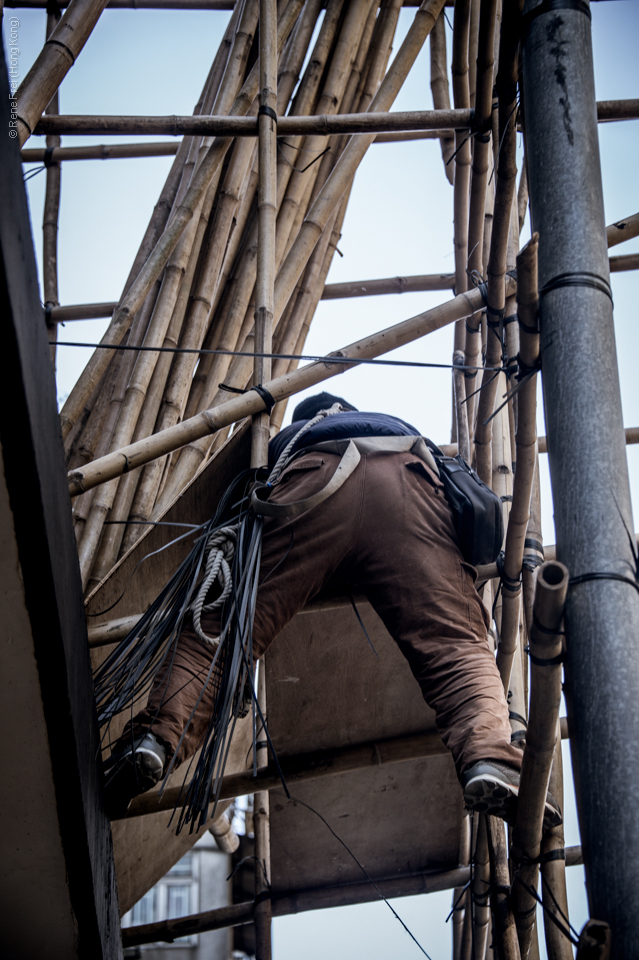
point(133, 768)
point(491, 787)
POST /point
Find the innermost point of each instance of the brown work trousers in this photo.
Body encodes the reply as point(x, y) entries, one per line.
point(387, 532)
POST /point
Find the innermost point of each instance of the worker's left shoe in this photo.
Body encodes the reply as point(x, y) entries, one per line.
point(492, 788)
point(133, 768)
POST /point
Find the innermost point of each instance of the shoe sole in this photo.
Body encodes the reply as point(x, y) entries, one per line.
point(149, 768)
point(485, 794)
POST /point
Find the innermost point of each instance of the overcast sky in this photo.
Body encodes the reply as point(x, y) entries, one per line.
point(399, 222)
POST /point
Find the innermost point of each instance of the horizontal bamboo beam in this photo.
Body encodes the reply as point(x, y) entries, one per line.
point(102, 151)
point(299, 901)
point(168, 148)
point(308, 766)
point(159, 4)
point(210, 421)
point(489, 571)
point(234, 126)
point(632, 436)
point(332, 291)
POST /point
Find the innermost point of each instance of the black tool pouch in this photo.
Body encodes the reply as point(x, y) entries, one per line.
point(477, 510)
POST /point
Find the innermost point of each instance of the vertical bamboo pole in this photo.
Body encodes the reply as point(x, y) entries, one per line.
point(261, 827)
point(461, 99)
point(461, 408)
point(588, 467)
point(553, 871)
point(504, 930)
point(545, 644)
point(481, 890)
point(439, 87)
point(50, 217)
point(264, 291)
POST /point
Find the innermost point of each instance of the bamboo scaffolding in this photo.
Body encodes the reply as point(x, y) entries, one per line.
point(239, 319)
point(119, 462)
point(461, 99)
point(545, 644)
point(261, 809)
point(439, 87)
point(481, 890)
point(207, 169)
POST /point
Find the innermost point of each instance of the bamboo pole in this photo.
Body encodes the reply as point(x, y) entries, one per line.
point(545, 698)
point(261, 815)
point(553, 871)
point(50, 216)
point(526, 438)
point(481, 890)
point(461, 99)
point(439, 87)
point(504, 930)
point(207, 169)
point(473, 41)
point(58, 55)
point(220, 125)
point(119, 462)
point(522, 196)
point(459, 381)
point(622, 230)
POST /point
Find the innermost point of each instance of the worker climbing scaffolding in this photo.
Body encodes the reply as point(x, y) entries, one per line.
point(379, 524)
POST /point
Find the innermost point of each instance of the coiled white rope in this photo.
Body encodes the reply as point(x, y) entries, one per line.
point(221, 549)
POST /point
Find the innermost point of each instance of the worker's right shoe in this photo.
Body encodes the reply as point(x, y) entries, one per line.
point(133, 768)
point(492, 788)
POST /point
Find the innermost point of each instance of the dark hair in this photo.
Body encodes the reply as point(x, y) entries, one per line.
point(311, 406)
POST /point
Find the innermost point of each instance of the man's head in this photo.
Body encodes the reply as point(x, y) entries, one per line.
point(311, 406)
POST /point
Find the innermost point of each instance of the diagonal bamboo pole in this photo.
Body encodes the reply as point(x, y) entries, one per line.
point(54, 62)
point(165, 245)
point(120, 462)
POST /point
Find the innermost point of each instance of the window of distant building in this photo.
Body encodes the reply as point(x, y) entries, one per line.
point(176, 895)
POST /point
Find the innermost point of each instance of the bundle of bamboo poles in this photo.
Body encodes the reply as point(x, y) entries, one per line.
point(192, 285)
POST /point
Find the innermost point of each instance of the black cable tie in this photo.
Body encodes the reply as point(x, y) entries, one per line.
point(267, 112)
point(511, 319)
point(524, 914)
point(539, 662)
point(48, 158)
point(517, 735)
point(269, 401)
point(549, 6)
point(558, 854)
point(495, 312)
point(507, 497)
point(531, 562)
point(585, 577)
point(230, 389)
point(53, 9)
point(48, 312)
point(542, 629)
point(518, 717)
point(577, 279)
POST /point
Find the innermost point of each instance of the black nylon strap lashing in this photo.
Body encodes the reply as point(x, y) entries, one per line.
point(48, 158)
point(269, 401)
point(518, 717)
point(585, 577)
point(267, 112)
point(539, 662)
point(577, 279)
point(533, 544)
point(550, 6)
point(542, 629)
point(517, 735)
point(533, 331)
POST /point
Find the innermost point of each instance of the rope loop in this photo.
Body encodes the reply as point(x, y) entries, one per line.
point(220, 550)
